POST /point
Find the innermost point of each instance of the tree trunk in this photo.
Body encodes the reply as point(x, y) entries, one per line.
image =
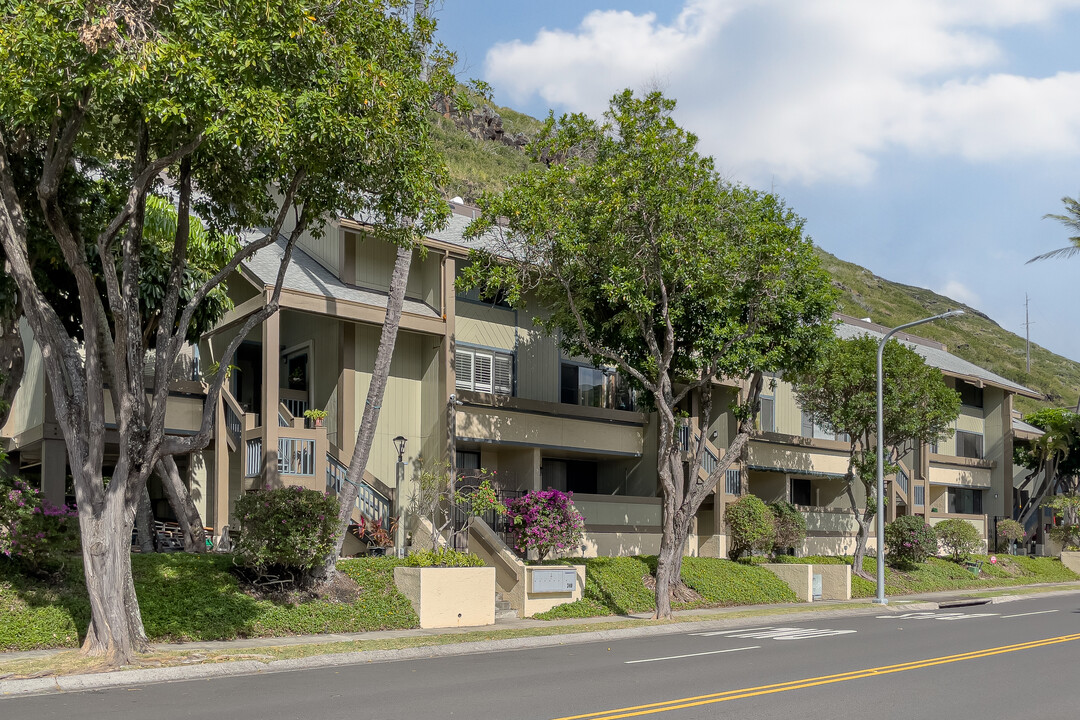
point(116, 630)
point(863, 521)
point(11, 360)
point(366, 433)
point(669, 568)
point(144, 524)
point(180, 499)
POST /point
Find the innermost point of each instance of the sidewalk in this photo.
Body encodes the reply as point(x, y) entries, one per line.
point(516, 634)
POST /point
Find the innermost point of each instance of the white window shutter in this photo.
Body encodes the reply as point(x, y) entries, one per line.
point(463, 368)
point(504, 374)
point(482, 372)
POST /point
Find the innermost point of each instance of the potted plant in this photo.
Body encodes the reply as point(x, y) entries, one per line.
point(316, 417)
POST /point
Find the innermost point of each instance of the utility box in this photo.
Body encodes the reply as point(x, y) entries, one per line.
point(555, 580)
point(816, 591)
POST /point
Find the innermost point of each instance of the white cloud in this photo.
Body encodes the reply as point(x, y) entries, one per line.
point(959, 291)
point(815, 90)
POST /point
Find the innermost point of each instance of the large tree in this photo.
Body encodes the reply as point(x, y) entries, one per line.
point(251, 114)
point(643, 259)
point(1052, 459)
point(840, 392)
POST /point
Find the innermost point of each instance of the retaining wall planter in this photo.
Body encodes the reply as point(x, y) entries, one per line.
point(449, 597)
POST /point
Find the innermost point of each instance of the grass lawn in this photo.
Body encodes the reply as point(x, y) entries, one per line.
point(939, 575)
point(613, 586)
point(195, 597)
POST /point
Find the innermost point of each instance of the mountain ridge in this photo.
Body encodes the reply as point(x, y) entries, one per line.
point(483, 146)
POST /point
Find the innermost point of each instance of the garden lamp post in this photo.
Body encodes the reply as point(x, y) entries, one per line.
point(399, 532)
point(880, 599)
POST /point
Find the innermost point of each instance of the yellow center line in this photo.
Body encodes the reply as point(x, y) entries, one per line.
point(687, 702)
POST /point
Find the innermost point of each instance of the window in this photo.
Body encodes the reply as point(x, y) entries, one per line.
point(801, 493)
point(970, 395)
point(811, 429)
point(969, 444)
point(577, 476)
point(920, 495)
point(965, 501)
point(733, 482)
point(765, 418)
point(484, 370)
point(467, 460)
point(595, 387)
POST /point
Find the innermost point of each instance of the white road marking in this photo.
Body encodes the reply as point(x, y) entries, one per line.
point(728, 632)
point(1040, 612)
point(678, 657)
point(935, 616)
point(790, 633)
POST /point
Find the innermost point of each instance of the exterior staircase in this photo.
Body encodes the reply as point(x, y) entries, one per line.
point(503, 611)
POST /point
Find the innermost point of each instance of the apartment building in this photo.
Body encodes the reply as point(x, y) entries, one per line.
point(475, 380)
point(969, 475)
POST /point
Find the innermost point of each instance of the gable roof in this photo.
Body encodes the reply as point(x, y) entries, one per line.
point(937, 356)
point(306, 275)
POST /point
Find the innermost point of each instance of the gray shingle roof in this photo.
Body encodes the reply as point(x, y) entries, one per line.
point(1022, 426)
point(943, 360)
point(305, 274)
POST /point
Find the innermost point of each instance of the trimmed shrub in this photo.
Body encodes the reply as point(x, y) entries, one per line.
point(1066, 529)
point(909, 540)
point(443, 557)
point(544, 521)
point(749, 525)
point(789, 526)
point(34, 533)
point(291, 528)
point(1009, 532)
point(958, 537)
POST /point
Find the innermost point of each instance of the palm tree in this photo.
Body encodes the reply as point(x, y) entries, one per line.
point(1070, 220)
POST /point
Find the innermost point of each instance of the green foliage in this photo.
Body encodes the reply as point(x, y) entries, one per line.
point(722, 582)
point(35, 534)
point(750, 526)
point(1059, 444)
point(195, 598)
point(1010, 531)
point(840, 392)
point(909, 540)
point(1066, 528)
point(315, 414)
point(789, 526)
point(442, 557)
point(289, 527)
point(936, 575)
point(613, 586)
point(958, 537)
point(612, 242)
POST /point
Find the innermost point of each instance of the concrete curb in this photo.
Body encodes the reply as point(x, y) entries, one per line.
point(180, 673)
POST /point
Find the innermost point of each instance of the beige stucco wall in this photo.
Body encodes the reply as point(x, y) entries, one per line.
point(959, 476)
point(1071, 560)
point(797, 577)
point(534, 603)
point(449, 597)
point(770, 487)
point(613, 511)
point(795, 459)
point(618, 543)
point(835, 581)
point(499, 425)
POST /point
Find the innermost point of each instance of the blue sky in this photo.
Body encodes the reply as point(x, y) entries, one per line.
point(924, 140)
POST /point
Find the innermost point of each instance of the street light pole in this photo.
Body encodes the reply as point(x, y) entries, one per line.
point(399, 530)
point(880, 599)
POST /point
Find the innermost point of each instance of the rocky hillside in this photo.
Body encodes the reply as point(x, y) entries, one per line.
point(484, 148)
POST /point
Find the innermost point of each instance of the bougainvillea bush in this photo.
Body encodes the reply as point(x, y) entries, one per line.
point(544, 521)
point(909, 540)
point(958, 537)
point(34, 533)
point(1010, 531)
point(290, 527)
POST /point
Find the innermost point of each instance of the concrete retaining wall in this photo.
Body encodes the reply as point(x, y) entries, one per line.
point(800, 578)
point(449, 597)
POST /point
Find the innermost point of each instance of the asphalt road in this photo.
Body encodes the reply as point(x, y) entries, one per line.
point(1010, 660)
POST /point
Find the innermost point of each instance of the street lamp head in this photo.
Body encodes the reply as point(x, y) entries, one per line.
point(399, 443)
point(952, 313)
